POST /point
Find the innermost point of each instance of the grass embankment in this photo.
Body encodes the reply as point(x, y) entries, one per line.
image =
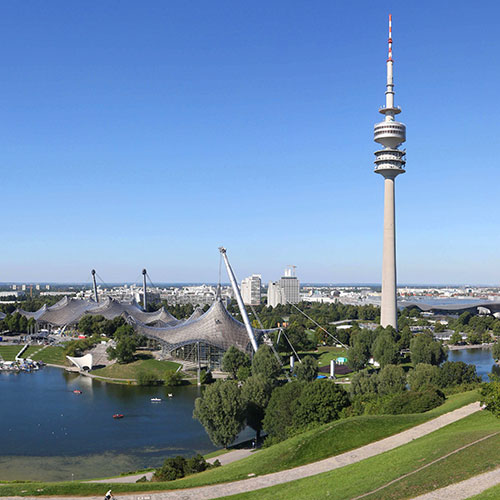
point(316, 444)
point(50, 354)
point(376, 472)
point(131, 370)
point(53, 355)
point(9, 352)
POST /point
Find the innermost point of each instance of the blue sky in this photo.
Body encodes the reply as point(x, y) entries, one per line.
point(146, 134)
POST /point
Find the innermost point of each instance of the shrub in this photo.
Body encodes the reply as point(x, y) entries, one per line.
point(171, 378)
point(147, 378)
point(414, 401)
point(320, 403)
point(177, 467)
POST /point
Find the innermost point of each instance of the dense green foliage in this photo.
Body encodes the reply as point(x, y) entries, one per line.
point(414, 401)
point(307, 371)
point(177, 467)
point(278, 417)
point(233, 360)
point(424, 349)
point(265, 363)
point(221, 411)
point(126, 345)
point(320, 402)
point(256, 392)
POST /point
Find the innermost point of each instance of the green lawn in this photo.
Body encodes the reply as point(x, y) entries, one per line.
point(370, 474)
point(9, 352)
point(31, 349)
point(324, 441)
point(52, 354)
point(130, 370)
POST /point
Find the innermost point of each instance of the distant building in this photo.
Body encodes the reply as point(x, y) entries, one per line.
point(285, 290)
point(250, 290)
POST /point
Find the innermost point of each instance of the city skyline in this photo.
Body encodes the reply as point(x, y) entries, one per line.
point(147, 137)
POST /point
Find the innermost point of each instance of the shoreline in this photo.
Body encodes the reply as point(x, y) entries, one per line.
point(473, 346)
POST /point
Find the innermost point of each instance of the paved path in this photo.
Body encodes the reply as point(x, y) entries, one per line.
point(255, 483)
point(464, 489)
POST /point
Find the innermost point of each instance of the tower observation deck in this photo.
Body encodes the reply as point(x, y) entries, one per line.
point(389, 162)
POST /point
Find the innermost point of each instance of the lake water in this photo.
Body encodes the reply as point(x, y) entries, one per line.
point(48, 432)
point(480, 357)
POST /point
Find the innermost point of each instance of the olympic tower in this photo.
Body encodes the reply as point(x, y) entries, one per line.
point(389, 162)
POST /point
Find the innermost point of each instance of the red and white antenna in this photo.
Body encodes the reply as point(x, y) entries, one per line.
point(390, 38)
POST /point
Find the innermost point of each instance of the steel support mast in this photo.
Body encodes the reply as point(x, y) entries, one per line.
point(96, 296)
point(237, 293)
point(145, 301)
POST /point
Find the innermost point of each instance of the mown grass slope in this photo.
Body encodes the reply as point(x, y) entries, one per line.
point(316, 444)
point(368, 475)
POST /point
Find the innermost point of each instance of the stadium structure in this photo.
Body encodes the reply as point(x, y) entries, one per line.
point(203, 337)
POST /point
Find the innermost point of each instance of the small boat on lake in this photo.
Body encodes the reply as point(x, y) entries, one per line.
point(155, 400)
point(170, 395)
point(76, 391)
point(118, 415)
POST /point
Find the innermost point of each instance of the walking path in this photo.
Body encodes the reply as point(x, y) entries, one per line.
point(255, 483)
point(464, 489)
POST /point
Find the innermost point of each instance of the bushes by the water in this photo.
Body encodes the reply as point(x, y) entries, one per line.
point(148, 379)
point(177, 467)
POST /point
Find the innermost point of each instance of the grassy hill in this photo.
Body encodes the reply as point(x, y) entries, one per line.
point(130, 370)
point(316, 444)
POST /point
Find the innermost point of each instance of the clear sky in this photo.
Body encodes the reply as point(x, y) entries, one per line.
point(146, 134)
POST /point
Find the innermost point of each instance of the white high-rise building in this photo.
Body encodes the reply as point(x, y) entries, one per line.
point(389, 162)
point(250, 290)
point(275, 294)
point(285, 290)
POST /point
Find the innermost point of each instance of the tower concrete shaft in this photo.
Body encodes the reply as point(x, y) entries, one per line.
point(389, 162)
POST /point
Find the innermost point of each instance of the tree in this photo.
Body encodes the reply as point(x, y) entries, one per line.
point(357, 356)
point(439, 327)
point(422, 376)
point(405, 338)
point(221, 411)
point(385, 350)
point(495, 350)
point(233, 359)
point(391, 380)
point(307, 371)
point(265, 363)
point(456, 373)
point(364, 383)
point(124, 350)
point(319, 403)
point(455, 338)
point(279, 412)
point(473, 338)
point(423, 349)
point(490, 397)
point(256, 392)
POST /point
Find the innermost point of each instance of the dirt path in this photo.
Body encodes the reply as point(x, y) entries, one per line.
point(332, 463)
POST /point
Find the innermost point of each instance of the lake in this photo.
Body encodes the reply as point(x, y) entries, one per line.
point(481, 357)
point(50, 433)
